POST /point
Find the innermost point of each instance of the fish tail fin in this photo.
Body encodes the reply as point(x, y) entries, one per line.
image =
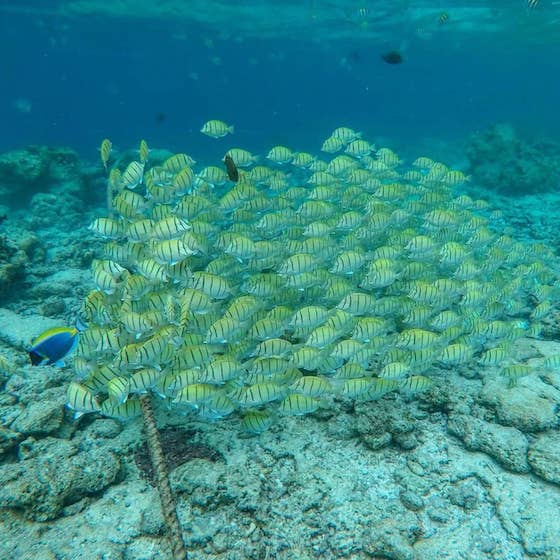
point(36, 358)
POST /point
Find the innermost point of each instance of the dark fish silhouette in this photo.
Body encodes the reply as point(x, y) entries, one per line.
point(392, 57)
point(232, 172)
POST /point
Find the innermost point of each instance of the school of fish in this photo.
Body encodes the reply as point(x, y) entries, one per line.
point(308, 279)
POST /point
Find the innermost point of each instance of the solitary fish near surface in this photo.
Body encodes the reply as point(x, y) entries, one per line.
point(53, 345)
point(392, 57)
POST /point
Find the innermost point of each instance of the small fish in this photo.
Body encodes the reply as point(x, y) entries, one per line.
point(183, 181)
point(143, 151)
point(213, 175)
point(298, 405)
point(107, 228)
point(332, 144)
point(244, 158)
point(532, 4)
point(256, 421)
point(444, 16)
point(392, 57)
point(345, 134)
point(105, 152)
point(231, 169)
point(280, 155)
point(117, 390)
point(53, 345)
point(416, 383)
point(177, 162)
point(124, 411)
point(216, 129)
point(132, 175)
point(81, 400)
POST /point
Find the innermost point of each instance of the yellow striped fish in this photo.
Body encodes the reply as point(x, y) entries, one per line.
point(81, 400)
point(216, 129)
point(298, 404)
point(105, 151)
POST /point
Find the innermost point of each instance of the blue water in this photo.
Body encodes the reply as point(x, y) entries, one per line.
point(376, 481)
point(85, 78)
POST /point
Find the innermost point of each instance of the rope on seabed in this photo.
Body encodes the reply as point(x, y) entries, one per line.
point(161, 477)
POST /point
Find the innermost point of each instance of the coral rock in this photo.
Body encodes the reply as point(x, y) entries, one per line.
point(55, 475)
point(544, 457)
point(507, 445)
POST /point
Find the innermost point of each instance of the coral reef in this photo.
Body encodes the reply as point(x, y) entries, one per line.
point(36, 169)
point(43, 171)
point(405, 475)
point(45, 193)
point(46, 279)
point(502, 161)
point(12, 265)
point(67, 476)
point(256, 301)
point(507, 445)
point(334, 482)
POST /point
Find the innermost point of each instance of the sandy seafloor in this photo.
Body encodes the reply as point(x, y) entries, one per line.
point(468, 471)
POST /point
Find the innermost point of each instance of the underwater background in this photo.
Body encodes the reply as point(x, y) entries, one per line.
point(432, 435)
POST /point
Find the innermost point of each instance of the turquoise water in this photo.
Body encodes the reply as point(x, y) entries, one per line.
point(311, 69)
point(350, 341)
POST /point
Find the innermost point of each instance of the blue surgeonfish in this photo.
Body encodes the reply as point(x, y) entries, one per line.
point(53, 345)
